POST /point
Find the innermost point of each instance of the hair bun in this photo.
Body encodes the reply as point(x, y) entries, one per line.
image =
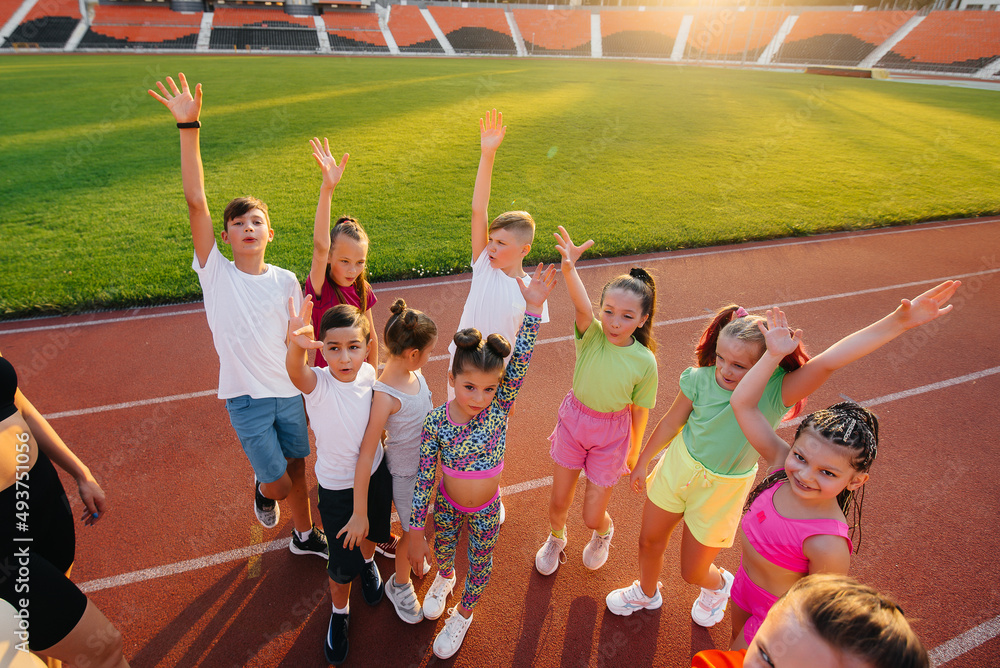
point(468, 339)
point(498, 344)
point(398, 306)
point(641, 274)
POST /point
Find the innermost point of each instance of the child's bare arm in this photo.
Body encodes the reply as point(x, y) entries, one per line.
point(332, 173)
point(909, 314)
point(780, 341)
point(373, 350)
point(570, 253)
point(357, 527)
point(640, 417)
point(186, 108)
point(300, 340)
point(665, 431)
point(491, 133)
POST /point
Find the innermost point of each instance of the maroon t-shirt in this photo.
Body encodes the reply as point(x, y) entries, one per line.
point(328, 299)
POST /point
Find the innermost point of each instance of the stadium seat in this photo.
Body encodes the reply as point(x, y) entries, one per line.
point(475, 30)
point(48, 25)
point(129, 26)
point(554, 31)
point(635, 34)
point(354, 31)
point(411, 32)
point(841, 38)
point(948, 41)
point(241, 28)
point(727, 34)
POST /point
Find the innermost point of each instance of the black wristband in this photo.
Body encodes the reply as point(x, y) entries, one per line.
point(192, 124)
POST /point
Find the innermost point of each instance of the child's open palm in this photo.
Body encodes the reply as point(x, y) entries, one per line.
point(542, 282)
point(491, 131)
point(569, 251)
point(300, 329)
point(327, 163)
point(779, 338)
point(185, 107)
point(927, 306)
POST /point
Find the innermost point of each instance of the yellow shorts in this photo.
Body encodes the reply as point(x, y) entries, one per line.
point(711, 503)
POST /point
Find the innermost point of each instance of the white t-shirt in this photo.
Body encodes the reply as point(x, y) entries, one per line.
point(338, 414)
point(494, 305)
point(248, 316)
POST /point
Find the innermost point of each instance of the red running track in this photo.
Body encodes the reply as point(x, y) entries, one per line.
point(182, 568)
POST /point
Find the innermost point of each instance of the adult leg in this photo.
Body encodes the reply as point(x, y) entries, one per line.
point(298, 494)
point(657, 525)
point(561, 497)
point(696, 563)
point(94, 641)
point(595, 507)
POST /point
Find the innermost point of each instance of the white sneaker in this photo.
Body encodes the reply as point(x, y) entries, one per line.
point(710, 607)
point(503, 512)
point(436, 598)
point(627, 600)
point(451, 636)
point(596, 551)
point(551, 554)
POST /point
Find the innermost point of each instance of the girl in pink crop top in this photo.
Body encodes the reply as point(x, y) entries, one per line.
point(795, 520)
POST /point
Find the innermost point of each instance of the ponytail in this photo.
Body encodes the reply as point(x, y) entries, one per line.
point(641, 284)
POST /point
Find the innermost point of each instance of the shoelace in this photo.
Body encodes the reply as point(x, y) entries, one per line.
point(551, 546)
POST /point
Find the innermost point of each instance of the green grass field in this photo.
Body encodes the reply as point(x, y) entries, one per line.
point(638, 156)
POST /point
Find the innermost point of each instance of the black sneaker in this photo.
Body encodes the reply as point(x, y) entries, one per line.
point(265, 509)
point(314, 544)
point(336, 644)
point(371, 583)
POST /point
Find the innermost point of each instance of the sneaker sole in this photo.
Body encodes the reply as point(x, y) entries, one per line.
point(399, 614)
point(298, 550)
point(598, 566)
point(629, 611)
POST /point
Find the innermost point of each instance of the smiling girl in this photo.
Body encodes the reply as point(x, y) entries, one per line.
point(602, 419)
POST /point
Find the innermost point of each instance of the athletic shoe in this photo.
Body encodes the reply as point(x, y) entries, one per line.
point(710, 607)
point(388, 549)
point(265, 509)
point(371, 583)
point(596, 551)
point(314, 544)
point(335, 646)
point(627, 600)
point(436, 597)
point(404, 599)
point(551, 554)
point(451, 636)
point(503, 512)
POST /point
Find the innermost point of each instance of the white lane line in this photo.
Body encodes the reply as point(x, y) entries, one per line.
point(588, 264)
point(968, 641)
point(557, 339)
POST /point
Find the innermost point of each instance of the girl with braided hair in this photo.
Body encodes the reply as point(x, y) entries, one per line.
point(709, 467)
point(795, 520)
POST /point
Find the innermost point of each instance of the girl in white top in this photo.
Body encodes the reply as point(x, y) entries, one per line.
point(399, 406)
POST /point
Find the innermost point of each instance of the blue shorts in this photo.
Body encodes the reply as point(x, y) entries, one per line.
point(271, 430)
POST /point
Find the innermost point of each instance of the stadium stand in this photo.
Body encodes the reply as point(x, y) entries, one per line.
point(475, 30)
point(634, 34)
point(961, 42)
point(554, 31)
point(727, 34)
point(7, 9)
point(411, 32)
point(839, 38)
point(262, 29)
point(48, 25)
point(128, 26)
point(354, 31)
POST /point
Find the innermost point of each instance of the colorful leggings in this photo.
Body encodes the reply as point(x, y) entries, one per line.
point(484, 526)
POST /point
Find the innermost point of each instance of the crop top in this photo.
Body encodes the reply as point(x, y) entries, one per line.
point(478, 446)
point(779, 539)
point(8, 388)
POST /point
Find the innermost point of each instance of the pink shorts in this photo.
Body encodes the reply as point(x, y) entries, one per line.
point(752, 599)
point(593, 441)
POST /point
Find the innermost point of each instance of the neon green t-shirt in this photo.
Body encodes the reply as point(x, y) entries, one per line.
point(712, 434)
point(607, 378)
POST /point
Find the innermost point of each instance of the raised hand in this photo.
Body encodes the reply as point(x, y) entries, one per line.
point(185, 107)
point(927, 306)
point(542, 282)
point(779, 338)
point(327, 163)
point(300, 329)
point(491, 131)
point(569, 251)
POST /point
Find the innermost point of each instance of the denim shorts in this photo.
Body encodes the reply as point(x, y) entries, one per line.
point(271, 430)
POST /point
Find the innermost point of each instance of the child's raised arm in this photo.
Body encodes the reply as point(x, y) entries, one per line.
point(781, 341)
point(321, 228)
point(577, 292)
point(909, 314)
point(186, 108)
point(300, 339)
point(357, 527)
point(491, 133)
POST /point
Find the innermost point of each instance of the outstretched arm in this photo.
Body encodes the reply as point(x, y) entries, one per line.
point(332, 172)
point(909, 314)
point(357, 527)
point(300, 340)
point(570, 253)
point(780, 341)
point(186, 108)
point(491, 133)
point(665, 431)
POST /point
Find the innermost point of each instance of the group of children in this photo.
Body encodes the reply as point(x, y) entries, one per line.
point(379, 439)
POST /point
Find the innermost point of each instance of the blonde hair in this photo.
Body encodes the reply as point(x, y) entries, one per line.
point(519, 223)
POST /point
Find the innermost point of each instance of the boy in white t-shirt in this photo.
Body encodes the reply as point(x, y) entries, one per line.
point(245, 303)
point(495, 304)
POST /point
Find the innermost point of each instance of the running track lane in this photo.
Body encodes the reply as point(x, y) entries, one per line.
point(179, 484)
